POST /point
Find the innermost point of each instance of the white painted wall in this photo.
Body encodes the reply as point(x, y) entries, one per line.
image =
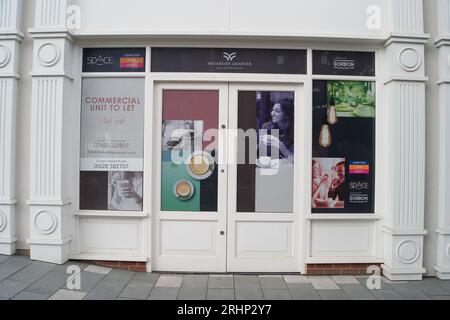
point(281, 17)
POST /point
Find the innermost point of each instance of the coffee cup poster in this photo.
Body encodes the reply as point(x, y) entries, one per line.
point(112, 147)
point(343, 164)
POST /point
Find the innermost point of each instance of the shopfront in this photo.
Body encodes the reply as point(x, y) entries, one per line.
point(291, 147)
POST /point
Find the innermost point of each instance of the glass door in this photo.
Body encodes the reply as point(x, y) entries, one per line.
point(263, 179)
point(190, 203)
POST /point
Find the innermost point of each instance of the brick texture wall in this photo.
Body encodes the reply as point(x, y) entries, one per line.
point(122, 265)
point(354, 269)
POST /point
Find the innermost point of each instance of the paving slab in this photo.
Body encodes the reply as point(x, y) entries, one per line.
point(408, 292)
point(244, 293)
point(383, 284)
point(63, 294)
point(430, 288)
point(272, 283)
point(194, 287)
point(4, 258)
point(162, 293)
point(98, 269)
point(9, 288)
point(246, 281)
point(12, 266)
point(220, 294)
point(332, 295)
point(119, 276)
point(357, 292)
point(105, 290)
point(137, 290)
point(441, 298)
point(27, 295)
point(221, 282)
point(33, 272)
point(303, 291)
point(386, 295)
point(345, 280)
point(169, 281)
point(49, 284)
point(323, 283)
point(277, 295)
point(63, 268)
point(296, 279)
point(88, 281)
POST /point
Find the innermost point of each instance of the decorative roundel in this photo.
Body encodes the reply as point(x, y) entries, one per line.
point(5, 56)
point(409, 59)
point(408, 252)
point(45, 222)
point(48, 55)
point(3, 221)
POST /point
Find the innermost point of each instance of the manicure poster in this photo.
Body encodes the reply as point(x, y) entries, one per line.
point(265, 169)
point(189, 172)
point(112, 144)
point(343, 165)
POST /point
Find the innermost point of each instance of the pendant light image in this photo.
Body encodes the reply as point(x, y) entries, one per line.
point(325, 136)
point(331, 112)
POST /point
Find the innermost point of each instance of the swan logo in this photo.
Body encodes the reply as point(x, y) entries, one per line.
point(230, 56)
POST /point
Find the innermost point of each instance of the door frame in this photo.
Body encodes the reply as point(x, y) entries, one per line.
point(299, 85)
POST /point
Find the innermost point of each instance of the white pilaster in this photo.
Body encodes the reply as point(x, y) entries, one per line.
point(443, 232)
point(405, 142)
point(50, 234)
point(10, 38)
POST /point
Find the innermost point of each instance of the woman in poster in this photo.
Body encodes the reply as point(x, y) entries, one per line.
point(283, 123)
point(126, 191)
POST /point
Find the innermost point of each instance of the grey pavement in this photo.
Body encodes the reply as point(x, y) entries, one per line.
point(24, 279)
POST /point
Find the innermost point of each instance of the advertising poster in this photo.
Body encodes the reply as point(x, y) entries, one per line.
point(265, 170)
point(112, 146)
point(343, 166)
point(114, 59)
point(189, 171)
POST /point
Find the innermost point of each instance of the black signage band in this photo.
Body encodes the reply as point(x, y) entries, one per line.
point(344, 63)
point(224, 60)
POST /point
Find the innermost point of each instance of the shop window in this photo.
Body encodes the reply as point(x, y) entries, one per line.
point(112, 144)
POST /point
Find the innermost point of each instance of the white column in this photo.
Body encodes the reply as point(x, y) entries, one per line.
point(50, 213)
point(10, 38)
point(404, 142)
point(443, 232)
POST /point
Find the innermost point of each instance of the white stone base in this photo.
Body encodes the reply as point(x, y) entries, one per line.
point(442, 273)
point(8, 247)
point(52, 253)
point(403, 274)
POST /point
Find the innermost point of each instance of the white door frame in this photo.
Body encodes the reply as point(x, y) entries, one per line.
point(301, 185)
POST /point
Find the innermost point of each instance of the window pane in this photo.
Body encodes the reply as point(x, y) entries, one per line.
point(265, 177)
point(112, 144)
point(343, 166)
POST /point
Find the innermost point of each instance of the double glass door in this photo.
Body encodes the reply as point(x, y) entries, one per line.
point(227, 178)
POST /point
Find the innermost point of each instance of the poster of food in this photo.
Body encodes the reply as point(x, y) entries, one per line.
point(112, 144)
point(189, 170)
point(265, 172)
point(343, 166)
